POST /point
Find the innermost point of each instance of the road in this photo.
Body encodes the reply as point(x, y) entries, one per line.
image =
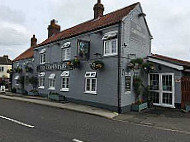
point(24, 122)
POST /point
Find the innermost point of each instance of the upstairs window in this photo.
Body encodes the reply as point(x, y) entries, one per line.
point(83, 49)
point(66, 51)
point(1, 69)
point(110, 47)
point(43, 56)
point(110, 43)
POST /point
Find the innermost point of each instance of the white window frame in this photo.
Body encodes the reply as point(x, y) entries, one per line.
point(2, 69)
point(90, 77)
point(161, 91)
point(16, 80)
point(65, 75)
point(41, 80)
point(110, 47)
point(66, 53)
point(51, 82)
point(42, 58)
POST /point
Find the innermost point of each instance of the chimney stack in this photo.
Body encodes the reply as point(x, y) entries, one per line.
point(98, 9)
point(33, 41)
point(6, 56)
point(53, 28)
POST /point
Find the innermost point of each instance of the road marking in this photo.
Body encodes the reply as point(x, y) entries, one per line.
point(155, 127)
point(76, 140)
point(17, 122)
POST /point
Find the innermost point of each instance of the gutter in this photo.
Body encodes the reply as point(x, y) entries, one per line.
point(119, 68)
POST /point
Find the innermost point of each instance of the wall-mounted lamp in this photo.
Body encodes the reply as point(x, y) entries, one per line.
point(142, 14)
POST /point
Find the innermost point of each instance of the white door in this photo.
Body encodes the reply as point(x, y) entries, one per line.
point(162, 89)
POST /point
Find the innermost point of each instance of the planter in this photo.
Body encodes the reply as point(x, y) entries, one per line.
point(187, 107)
point(139, 107)
point(33, 93)
point(56, 97)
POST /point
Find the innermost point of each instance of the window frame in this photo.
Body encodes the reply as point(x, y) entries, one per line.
point(90, 90)
point(51, 84)
point(67, 83)
point(66, 50)
point(42, 58)
point(110, 47)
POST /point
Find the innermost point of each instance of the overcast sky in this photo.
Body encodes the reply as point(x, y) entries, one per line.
point(168, 21)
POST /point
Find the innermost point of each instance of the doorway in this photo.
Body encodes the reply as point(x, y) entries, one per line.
point(162, 89)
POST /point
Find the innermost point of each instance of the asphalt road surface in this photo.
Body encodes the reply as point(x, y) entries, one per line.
point(24, 122)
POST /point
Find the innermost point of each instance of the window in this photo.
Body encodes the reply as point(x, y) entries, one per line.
point(1, 69)
point(91, 83)
point(127, 83)
point(52, 82)
point(65, 81)
point(17, 80)
point(42, 80)
point(110, 47)
point(83, 49)
point(66, 54)
point(42, 56)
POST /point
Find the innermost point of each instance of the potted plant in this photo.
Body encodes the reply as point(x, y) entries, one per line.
point(139, 105)
point(28, 69)
point(56, 97)
point(187, 106)
point(33, 92)
point(97, 65)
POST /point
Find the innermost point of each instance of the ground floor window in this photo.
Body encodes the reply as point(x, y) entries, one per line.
point(162, 88)
point(90, 83)
point(41, 80)
point(17, 80)
point(52, 82)
point(65, 81)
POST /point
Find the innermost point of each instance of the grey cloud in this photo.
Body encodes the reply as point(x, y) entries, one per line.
point(9, 15)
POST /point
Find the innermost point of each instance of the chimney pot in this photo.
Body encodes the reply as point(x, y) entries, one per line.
point(98, 9)
point(53, 28)
point(33, 41)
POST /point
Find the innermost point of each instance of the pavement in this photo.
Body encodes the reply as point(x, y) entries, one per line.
point(160, 118)
point(61, 105)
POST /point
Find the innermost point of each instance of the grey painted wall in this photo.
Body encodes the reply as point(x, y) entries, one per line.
point(139, 45)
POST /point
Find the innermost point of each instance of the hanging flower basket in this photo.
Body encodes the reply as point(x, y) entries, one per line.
point(75, 63)
point(97, 65)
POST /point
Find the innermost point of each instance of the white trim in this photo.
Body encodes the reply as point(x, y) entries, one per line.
point(90, 74)
point(42, 51)
point(17, 77)
point(109, 35)
point(41, 87)
point(65, 74)
point(51, 76)
point(65, 45)
point(64, 90)
point(87, 91)
point(42, 74)
point(178, 67)
point(110, 48)
point(161, 91)
point(51, 88)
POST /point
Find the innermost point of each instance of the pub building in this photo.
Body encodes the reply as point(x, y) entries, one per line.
point(89, 63)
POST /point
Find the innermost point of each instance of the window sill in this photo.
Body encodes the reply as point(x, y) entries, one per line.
point(41, 87)
point(64, 90)
point(42, 63)
point(89, 92)
point(127, 92)
point(51, 88)
point(109, 55)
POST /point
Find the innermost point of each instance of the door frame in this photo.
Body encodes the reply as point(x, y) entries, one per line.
point(160, 91)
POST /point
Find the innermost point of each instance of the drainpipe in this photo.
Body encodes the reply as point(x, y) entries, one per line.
point(119, 68)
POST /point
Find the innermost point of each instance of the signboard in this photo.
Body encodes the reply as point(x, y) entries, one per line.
point(83, 49)
point(60, 66)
